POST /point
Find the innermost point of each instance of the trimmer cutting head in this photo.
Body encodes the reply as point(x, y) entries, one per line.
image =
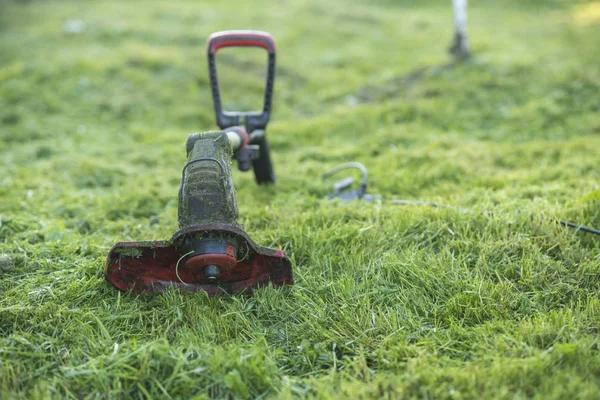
point(216, 258)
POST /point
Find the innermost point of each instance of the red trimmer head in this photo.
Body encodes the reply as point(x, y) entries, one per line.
point(150, 267)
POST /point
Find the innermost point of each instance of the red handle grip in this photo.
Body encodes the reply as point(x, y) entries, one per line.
point(240, 39)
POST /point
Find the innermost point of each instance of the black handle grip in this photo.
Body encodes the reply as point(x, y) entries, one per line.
point(253, 120)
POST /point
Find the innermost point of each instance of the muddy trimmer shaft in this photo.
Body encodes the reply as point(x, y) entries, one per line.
point(210, 251)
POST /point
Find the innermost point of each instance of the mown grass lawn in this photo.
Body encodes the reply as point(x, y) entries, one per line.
point(97, 99)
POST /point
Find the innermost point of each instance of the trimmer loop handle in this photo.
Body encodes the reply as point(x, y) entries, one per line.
point(255, 122)
point(218, 40)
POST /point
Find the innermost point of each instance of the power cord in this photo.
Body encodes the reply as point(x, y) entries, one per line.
point(578, 227)
point(341, 191)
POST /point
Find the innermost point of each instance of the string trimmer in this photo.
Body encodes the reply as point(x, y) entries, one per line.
point(210, 251)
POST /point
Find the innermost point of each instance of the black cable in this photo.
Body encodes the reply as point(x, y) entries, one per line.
point(582, 228)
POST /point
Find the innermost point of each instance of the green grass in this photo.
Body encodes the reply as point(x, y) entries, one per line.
point(389, 301)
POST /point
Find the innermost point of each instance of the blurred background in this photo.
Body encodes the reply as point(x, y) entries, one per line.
point(96, 93)
point(97, 99)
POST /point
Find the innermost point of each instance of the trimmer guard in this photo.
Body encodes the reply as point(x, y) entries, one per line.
point(152, 267)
